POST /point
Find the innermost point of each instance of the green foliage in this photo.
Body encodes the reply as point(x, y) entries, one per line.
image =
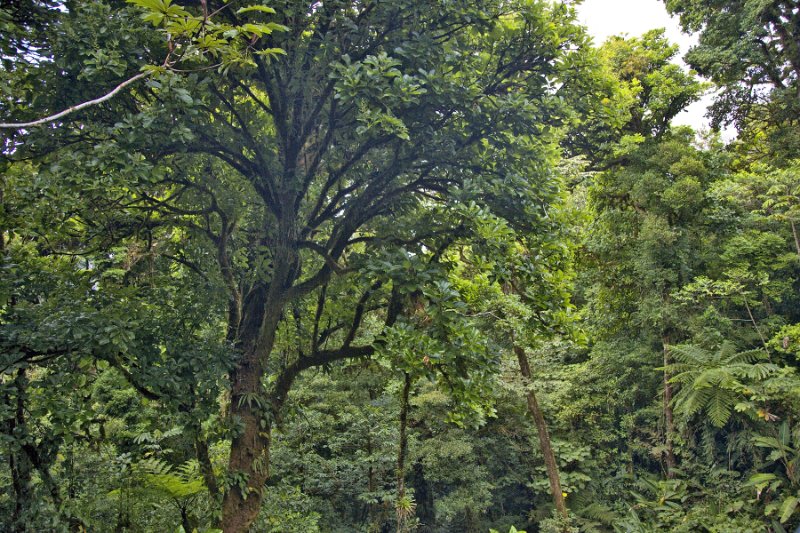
point(659, 89)
point(302, 206)
point(199, 38)
point(782, 481)
point(512, 530)
point(745, 47)
point(717, 383)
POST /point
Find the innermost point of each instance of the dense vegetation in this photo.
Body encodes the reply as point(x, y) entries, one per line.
point(408, 265)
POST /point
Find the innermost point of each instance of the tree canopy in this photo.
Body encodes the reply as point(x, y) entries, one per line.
point(393, 266)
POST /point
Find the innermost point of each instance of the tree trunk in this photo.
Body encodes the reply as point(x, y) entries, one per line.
point(18, 461)
point(206, 468)
point(250, 408)
point(796, 237)
point(755, 325)
point(403, 512)
point(544, 437)
point(186, 522)
point(669, 421)
point(248, 464)
point(423, 495)
point(371, 486)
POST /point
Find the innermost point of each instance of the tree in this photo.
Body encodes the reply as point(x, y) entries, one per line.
point(334, 174)
point(651, 191)
point(750, 50)
point(635, 90)
point(660, 89)
point(716, 382)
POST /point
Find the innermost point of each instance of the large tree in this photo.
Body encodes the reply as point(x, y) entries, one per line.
point(317, 175)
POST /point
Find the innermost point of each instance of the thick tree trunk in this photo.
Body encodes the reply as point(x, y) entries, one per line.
point(669, 420)
point(248, 463)
point(544, 436)
point(251, 409)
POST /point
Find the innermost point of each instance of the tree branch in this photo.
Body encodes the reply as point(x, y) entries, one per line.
point(69, 110)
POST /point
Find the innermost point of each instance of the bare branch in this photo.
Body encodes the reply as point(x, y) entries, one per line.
point(69, 110)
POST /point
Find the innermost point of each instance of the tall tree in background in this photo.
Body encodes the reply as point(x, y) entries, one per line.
point(750, 49)
point(650, 192)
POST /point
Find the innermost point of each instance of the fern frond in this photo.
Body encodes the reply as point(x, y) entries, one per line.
point(720, 407)
point(725, 352)
point(758, 371)
point(600, 513)
point(688, 353)
point(748, 356)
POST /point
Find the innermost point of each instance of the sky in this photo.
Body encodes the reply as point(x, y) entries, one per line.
point(605, 18)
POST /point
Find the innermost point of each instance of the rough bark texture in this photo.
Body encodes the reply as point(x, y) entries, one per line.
point(249, 456)
point(544, 436)
point(251, 408)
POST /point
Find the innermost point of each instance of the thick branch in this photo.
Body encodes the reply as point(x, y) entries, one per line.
point(322, 357)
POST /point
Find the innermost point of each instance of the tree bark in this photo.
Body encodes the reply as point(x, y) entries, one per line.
point(544, 436)
point(755, 325)
point(206, 468)
point(423, 495)
point(251, 409)
point(248, 463)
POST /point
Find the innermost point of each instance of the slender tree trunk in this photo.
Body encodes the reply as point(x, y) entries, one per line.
point(544, 436)
point(755, 325)
point(423, 496)
point(19, 463)
point(185, 521)
point(370, 485)
point(21, 480)
point(669, 420)
point(403, 512)
point(470, 521)
point(206, 468)
point(796, 238)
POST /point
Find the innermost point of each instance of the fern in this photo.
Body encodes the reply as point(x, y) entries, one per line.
point(716, 382)
point(600, 513)
point(158, 475)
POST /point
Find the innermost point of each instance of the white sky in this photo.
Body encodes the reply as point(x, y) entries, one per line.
point(605, 18)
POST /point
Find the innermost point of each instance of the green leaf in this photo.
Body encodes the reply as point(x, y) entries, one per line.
point(151, 5)
point(788, 507)
point(263, 9)
point(761, 480)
